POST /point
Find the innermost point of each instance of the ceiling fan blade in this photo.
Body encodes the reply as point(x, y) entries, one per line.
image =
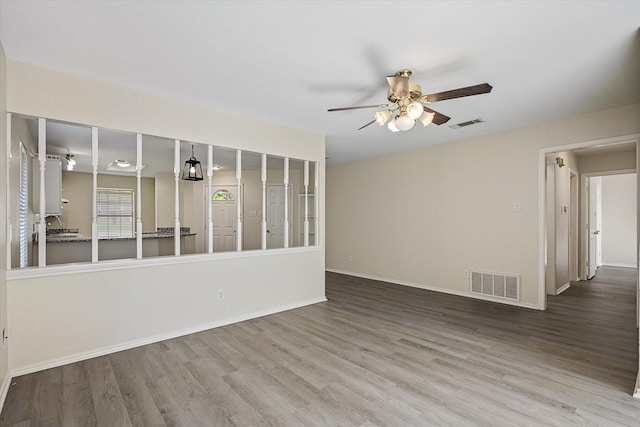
point(459, 93)
point(399, 85)
point(370, 123)
point(439, 118)
point(358, 107)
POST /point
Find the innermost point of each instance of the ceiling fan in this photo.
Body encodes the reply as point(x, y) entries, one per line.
point(407, 103)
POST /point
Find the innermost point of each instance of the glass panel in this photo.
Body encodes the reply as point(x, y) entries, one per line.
point(193, 191)
point(24, 135)
point(222, 194)
point(116, 195)
point(69, 228)
point(296, 186)
point(224, 212)
point(158, 190)
point(312, 204)
point(251, 200)
point(276, 203)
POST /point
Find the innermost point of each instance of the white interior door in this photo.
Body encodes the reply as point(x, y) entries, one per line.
point(224, 205)
point(275, 216)
point(594, 209)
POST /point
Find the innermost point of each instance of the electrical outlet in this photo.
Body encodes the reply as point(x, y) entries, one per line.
point(466, 274)
point(220, 294)
point(4, 336)
point(350, 258)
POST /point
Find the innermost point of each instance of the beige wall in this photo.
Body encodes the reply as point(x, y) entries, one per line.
point(423, 217)
point(100, 310)
point(558, 214)
point(619, 220)
point(606, 162)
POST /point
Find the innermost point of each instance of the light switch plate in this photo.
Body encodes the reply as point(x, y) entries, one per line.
point(518, 207)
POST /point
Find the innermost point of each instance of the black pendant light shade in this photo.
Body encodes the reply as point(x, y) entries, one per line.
point(192, 169)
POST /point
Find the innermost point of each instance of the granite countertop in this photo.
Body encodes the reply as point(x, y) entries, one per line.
point(65, 235)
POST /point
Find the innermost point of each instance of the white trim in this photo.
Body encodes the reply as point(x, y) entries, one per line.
point(615, 264)
point(636, 390)
point(563, 288)
point(161, 337)
point(123, 264)
point(437, 289)
point(542, 152)
point(5, 389)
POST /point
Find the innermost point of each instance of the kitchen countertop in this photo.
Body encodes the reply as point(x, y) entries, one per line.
point(81, 238)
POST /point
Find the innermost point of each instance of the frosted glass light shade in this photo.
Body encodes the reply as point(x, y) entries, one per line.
point(426, 118)
point(392, 126)
point(414, 110)
point(382, 117)
point(404, 122)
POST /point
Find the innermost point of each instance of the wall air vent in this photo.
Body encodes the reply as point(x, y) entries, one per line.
point(498, 285)
point(465, 124)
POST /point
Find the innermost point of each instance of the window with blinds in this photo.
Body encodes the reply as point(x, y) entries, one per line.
point(23, 206)
point(115, 212)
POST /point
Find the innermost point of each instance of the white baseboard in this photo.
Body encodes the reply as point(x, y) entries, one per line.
point(4, 390)
point(438, 289)
point(156, 338)
point(563, 288)
point(615, 264)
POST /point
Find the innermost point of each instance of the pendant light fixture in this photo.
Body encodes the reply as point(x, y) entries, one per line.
point(192, 169)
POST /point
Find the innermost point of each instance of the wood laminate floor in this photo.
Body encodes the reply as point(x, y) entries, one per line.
point(374, 354)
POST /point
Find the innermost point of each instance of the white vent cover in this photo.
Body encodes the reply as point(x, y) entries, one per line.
point(464, 124)
point(499, 285)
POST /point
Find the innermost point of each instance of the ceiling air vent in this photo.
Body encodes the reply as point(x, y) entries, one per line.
point(464, 124)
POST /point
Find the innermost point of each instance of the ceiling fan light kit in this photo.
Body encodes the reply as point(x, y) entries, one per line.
point(407, 99)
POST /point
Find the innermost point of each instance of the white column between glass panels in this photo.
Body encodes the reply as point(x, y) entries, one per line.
point(239, 200)
point(286, 202)
point(94, 207)
point(316, 205)
point(42, 158)
point(306, 203)
point(176, 174)
point(138, 197)
point(263, 228)
point(209, 196)
point(9, 226)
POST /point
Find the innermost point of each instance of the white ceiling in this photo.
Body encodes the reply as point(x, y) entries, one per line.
point(287, 62)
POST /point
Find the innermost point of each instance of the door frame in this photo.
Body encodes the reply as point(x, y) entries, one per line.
point(205, 196)
point(574, 227)
point(584, 247)
point(289, 208)
point(542, 204)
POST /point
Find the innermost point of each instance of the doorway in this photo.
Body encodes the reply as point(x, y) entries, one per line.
point(224, 208)
point(594, 215)
point(278, 202)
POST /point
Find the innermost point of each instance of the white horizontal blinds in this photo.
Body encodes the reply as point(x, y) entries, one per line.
point(23, 207)
point(115, 212)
